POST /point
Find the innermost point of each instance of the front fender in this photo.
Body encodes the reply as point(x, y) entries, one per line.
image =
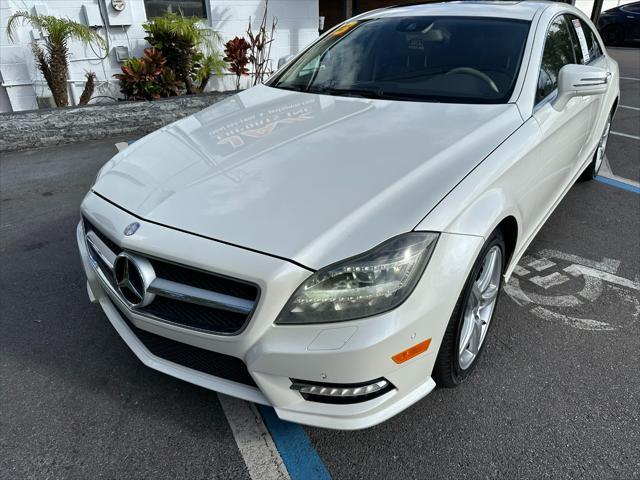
point(491, 192)
point(484, 214)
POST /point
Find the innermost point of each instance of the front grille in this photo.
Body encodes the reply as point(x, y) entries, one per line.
point(195, 316)
point(206, 281)
point(106, 269)
point(205, 361)
point(113, 246)
point(178, 309)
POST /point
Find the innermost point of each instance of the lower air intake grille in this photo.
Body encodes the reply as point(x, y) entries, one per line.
point(205, 361)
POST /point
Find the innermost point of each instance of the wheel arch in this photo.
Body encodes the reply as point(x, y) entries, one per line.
point(614, 108)
point(492, 210)
point(509, 228)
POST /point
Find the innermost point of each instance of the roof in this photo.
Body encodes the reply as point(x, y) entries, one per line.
point(525, 10)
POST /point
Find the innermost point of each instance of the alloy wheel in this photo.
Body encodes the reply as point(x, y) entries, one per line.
point(602, 145)
point(479, 308)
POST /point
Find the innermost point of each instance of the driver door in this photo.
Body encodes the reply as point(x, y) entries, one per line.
point(563, 133)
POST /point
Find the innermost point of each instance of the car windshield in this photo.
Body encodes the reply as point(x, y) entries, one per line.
point(438, 59)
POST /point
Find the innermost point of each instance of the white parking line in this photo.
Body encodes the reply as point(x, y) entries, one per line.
point(630, 78)
point(256, 446)
point(628, 107)
point(620, 134)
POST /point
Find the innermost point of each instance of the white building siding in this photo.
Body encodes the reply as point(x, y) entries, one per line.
point(297, 26)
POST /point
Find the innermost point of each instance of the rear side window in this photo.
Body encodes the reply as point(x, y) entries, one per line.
point(635, 8)
point(558, 52)
point(592, 42)
point(586, 45)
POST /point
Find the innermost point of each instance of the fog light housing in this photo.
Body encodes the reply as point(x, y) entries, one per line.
point(341, 392)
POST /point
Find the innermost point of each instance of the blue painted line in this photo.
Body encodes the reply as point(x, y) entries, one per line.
point(293, 444)
point(618, 184)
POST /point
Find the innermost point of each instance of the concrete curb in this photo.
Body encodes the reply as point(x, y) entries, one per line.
point(55, 126)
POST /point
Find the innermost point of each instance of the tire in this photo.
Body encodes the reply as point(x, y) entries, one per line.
point(452, 367)
point(593, 168)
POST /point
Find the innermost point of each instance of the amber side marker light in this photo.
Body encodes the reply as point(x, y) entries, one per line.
point(411, 352)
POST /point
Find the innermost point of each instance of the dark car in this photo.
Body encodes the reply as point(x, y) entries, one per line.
point(621, 25)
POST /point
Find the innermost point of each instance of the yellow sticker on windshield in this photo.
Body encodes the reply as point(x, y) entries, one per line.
point(341, 30)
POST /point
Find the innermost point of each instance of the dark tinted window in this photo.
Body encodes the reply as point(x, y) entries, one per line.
point(592, 42)
point(189, 8)
point(577, 49)
point(558, 52)
point(445, 59)
point(634, 8)
point(586, 47)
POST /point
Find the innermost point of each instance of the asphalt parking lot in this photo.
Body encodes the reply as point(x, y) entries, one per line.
point(555, 395)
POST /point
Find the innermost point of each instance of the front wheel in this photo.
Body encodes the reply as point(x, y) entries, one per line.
point(469, 324)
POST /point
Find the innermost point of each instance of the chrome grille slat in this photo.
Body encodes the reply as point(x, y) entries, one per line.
point(105, 253)
point(186, 293)
point(210, 319)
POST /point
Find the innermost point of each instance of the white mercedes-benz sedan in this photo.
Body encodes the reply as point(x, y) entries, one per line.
point(333, 243)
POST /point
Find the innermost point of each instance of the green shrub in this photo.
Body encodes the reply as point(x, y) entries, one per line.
point(148, 77)
point(189, 47)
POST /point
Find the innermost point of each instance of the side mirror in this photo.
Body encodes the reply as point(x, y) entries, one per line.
point(283, 60)
point(579, 80)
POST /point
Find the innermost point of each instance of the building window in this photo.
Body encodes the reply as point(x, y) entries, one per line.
point(189, 8)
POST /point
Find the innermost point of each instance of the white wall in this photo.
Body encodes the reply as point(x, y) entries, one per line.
point(297, 26)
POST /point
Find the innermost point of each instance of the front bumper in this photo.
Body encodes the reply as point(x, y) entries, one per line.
point(345, 353)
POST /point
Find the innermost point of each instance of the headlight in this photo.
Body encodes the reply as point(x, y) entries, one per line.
point(367, 284)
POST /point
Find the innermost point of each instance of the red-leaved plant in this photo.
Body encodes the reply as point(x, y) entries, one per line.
point(236, 55)
point(148, 78)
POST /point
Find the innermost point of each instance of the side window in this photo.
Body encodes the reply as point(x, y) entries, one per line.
point(634, 8)
point(586, 45)
point(577, 38)
point(592, 41)
point(558, 52)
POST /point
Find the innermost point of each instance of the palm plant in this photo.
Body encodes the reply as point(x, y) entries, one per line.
point(191, 49)
point(209, 65)
point(53, 60)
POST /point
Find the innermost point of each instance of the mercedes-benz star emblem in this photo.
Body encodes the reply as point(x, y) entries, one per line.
point(133, 276)
point(131, 229)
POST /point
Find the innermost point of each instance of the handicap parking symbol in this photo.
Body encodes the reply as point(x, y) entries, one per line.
point(555, 285)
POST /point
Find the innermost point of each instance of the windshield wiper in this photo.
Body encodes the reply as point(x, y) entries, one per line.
point(378, 94)
point(291, 86)
point(346, 92)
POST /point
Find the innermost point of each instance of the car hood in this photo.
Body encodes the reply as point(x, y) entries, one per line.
point(311, 178)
